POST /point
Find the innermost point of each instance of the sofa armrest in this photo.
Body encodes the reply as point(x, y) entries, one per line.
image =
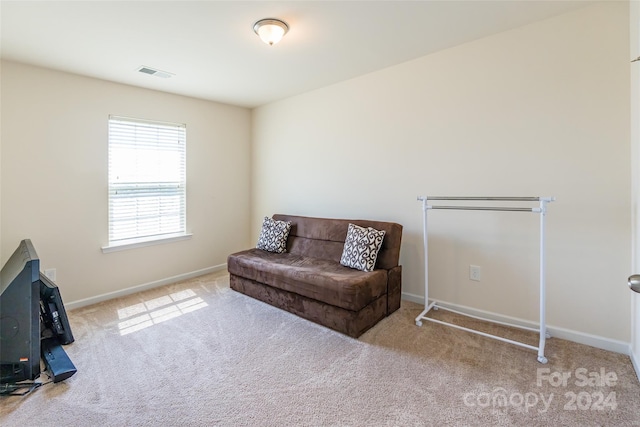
point(394, 289)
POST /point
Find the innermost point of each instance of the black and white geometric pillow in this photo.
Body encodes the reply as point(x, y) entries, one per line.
point(273, 236)
point(361, 247)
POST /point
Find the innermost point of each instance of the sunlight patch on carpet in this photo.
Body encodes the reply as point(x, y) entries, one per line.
point(145, 314)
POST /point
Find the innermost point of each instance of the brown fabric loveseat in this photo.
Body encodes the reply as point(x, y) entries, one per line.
point(309, 281)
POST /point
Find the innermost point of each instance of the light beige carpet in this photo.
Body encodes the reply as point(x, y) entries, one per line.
point(199, 354)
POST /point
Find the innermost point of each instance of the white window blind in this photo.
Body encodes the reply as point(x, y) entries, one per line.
point(147, 180)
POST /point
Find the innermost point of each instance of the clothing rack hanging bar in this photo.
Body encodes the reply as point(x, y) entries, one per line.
point(542, 210)
point(484, 208)
point(499, 199)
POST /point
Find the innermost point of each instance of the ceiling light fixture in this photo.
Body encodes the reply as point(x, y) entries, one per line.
point(270, 30)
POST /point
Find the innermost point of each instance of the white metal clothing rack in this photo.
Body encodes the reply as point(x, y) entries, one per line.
point(542, 210)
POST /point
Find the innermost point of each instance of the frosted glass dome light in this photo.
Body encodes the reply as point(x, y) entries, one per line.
point(270, 30)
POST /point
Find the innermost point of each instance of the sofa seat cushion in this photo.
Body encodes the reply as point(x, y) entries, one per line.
point(318, 279)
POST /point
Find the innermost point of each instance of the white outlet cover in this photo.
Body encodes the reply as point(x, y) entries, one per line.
point(50, 273)
point(474, 272)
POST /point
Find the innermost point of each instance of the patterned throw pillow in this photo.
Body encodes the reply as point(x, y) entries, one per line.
point(274, 234)
point(361, 247)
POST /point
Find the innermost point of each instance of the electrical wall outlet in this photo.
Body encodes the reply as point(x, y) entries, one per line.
point(474, 273)
point(51, 274)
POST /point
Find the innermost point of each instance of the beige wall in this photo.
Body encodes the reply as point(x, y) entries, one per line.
point(54, 179)
point(634, 52)
point(539, 110)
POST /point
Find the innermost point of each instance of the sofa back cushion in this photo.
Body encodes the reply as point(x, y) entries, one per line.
point(324, 238)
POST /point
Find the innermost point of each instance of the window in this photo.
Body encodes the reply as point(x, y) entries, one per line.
point(146, 181)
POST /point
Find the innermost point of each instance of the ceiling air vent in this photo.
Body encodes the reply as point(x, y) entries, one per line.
point(154, 72)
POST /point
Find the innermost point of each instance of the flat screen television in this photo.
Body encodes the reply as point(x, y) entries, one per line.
point(20, 315)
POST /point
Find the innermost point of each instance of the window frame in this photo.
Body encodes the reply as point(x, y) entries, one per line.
point(139, 240)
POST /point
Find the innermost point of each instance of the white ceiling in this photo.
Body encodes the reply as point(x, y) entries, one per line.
point(212, 50)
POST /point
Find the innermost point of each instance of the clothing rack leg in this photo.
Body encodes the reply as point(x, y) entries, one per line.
point(427, 307)
point(426, 254)
point(543, 268)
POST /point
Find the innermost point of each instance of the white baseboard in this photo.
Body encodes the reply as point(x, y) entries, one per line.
point(566, 334)
point(413, 298)
point(138, 288)
point(635, 362)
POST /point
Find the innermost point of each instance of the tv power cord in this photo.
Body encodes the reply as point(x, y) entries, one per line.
point(13, 389)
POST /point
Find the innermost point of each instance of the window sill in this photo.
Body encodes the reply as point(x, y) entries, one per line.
point(140, 243)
